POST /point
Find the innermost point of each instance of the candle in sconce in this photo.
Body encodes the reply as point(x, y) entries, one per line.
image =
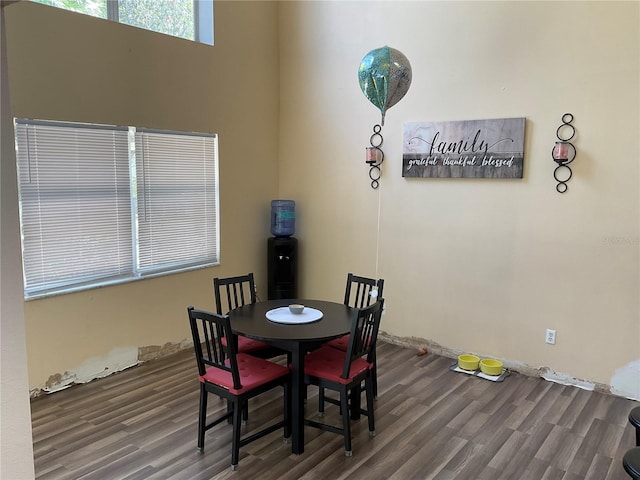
point(371, 155)
point(561, 151)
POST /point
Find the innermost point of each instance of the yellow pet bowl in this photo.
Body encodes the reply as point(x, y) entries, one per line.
point(468, 362)
point(490, 366)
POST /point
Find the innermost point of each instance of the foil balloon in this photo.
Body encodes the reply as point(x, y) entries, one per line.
point(385, 77)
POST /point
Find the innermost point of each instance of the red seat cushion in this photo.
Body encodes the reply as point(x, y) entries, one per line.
point(253, 373)
point(246, 345)
point(341, 343)
point(328, 363)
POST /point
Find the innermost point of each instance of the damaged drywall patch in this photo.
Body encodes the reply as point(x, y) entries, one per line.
point(153, 352)
point(115, 361)
point(97, 367)
point(625, 381)
point(564, 379)
point(436, 348)
point(54, 380)
point(542, 372)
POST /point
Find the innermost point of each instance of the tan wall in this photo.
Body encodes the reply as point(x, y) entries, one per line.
point(476, 265)
point(67, 66)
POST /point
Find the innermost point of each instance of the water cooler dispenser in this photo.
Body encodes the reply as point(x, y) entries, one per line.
point(282, 251)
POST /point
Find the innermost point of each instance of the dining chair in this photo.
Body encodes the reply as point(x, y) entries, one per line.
point(231, 293)
point(344, 371)
point(359, 293)
point(358, 290)
point(234, 376)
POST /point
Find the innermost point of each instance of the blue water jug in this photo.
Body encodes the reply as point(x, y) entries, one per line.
point(283, 218)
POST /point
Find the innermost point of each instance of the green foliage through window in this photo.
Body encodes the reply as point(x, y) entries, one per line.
point(172, 17)
point(95, 8)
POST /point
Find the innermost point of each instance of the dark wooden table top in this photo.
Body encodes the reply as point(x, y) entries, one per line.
point(251, 321)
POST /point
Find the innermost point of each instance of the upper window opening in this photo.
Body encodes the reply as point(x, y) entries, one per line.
point(189, 19)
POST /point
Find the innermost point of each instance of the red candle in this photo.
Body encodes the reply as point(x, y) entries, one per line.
point(561, 151)
point(372, 155)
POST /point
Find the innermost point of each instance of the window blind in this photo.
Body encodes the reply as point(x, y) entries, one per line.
point(74, 204)
point(176, 200)
point(101, 204)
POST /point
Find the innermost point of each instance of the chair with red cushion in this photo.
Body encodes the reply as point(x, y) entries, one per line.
point(231, 293)
point(360, 292)
point(344, 371)
point(236, 377)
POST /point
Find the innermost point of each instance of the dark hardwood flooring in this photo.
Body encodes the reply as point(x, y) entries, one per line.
point(431, 423)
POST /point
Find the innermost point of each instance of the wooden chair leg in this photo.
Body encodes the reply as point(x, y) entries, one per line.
point(287, 417)
point(369, 385)
point(202, 417)
point(356, 402)
point(346, 421)
point(238, 407)
point(375, 376)
point(230, 410)
point(320, 402)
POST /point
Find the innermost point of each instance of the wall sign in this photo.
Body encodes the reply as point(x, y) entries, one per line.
point(491, 148)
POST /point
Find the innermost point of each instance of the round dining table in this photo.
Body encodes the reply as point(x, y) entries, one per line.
point(295, 338)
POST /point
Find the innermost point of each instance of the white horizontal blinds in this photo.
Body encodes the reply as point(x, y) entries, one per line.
point(177, 196)
point(74, 203)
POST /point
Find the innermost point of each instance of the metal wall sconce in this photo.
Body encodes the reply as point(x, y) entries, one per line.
point(564, 153)
point(375, 156)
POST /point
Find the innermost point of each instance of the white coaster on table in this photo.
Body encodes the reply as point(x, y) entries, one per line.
point(283, 315)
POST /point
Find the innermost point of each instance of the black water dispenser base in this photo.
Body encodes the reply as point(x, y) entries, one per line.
point(282, 267)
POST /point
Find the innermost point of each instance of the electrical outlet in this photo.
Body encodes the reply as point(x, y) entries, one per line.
point(551, 336)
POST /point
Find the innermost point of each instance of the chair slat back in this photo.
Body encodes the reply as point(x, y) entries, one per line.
point(207, 330)
point(364, 335)
point(233, 292)
point(357, 293)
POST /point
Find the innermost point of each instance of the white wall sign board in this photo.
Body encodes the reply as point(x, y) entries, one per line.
point(491, 148)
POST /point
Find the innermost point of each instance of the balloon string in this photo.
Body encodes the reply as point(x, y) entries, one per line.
point(378, 232)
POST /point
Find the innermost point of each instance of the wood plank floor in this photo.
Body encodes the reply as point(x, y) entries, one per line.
point(431, 423)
